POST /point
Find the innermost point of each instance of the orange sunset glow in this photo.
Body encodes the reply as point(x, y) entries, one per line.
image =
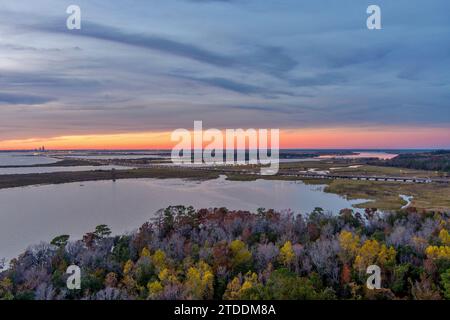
point(289, 139)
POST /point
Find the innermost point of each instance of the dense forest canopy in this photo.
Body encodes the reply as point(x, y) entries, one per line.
point(435, 160)
point(220, 254)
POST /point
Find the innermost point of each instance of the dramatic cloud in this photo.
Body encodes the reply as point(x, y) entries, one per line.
point(269, 59)
point(159, 65)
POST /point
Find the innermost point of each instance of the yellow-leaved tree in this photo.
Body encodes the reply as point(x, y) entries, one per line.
point(438, 252)
point(6, 287)
point(371, 252)
point(350, 245)
point(240, 254)
point(154, 289)
point(386, 256)
point(238, 287)
point(159, 260)
point(128, 267)
point(128, 281)
point(199, 281)
point(444, 237)
point(145, 253)
point(287, 254)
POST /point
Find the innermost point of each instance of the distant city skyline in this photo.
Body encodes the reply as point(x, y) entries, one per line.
point(139, 69)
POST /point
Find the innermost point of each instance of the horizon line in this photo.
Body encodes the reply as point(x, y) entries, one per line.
point(281, 149)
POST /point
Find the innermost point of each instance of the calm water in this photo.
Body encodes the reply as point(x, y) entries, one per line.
point(38, 213)
point(25, 170)
point(365, 154)
point(115, 156)
point(23, 159)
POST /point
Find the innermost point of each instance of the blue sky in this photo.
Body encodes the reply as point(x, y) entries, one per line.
point(159, 65)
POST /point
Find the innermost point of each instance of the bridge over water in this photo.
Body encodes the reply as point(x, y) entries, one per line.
point(373, 178)
point(309, 175)
point(315, 175)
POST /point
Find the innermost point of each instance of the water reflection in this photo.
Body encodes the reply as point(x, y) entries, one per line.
point(26, 170)
point(358, 155)
point(32, 214)
point(23, 159)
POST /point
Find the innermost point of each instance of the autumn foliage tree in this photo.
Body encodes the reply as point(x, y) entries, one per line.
point(220, 254)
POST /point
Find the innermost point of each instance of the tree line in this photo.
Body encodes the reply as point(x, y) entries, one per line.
point(185, 253)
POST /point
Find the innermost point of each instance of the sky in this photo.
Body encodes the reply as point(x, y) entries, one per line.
point(139, 69)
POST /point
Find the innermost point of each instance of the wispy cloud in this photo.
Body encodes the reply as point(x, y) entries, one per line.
point(160, 65)
point(269, 59)
point(9, 98)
